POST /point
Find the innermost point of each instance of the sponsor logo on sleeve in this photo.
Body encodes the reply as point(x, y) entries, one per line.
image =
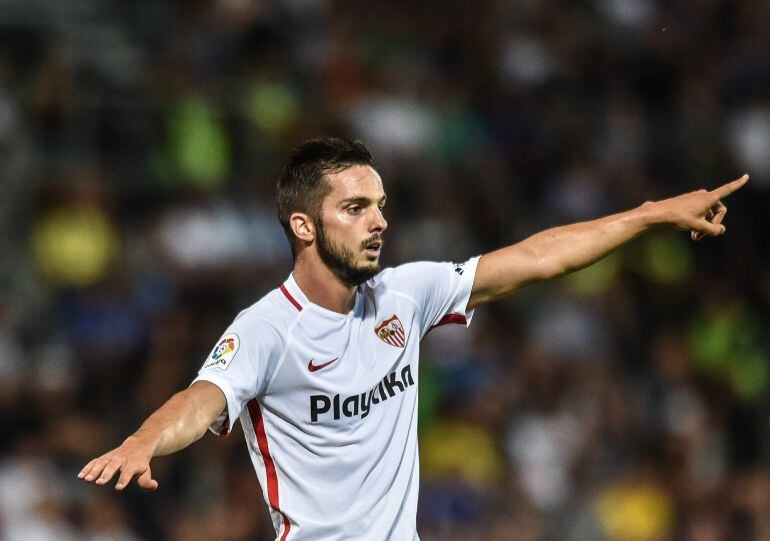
point(459, 268)
point(224, 352)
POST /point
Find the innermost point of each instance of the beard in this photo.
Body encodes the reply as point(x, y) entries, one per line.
point(342, 261)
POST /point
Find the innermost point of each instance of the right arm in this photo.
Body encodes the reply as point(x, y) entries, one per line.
point(175, 425)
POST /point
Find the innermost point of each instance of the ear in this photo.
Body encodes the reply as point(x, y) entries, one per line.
point(302, 226)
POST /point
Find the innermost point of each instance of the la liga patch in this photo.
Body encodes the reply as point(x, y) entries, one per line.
point(224, 352)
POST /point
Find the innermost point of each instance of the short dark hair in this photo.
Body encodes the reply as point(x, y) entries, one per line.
point(302, 185)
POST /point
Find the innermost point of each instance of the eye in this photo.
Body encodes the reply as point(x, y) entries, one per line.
point(354, 209)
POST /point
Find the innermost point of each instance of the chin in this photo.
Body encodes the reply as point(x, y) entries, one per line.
point(372, 267)
point(360, 274)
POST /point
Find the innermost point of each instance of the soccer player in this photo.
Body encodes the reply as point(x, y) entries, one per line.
point(322, 372)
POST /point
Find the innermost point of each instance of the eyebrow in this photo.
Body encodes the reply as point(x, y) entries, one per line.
point(361, 200)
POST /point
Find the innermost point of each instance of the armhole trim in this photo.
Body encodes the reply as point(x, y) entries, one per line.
point(458, 319)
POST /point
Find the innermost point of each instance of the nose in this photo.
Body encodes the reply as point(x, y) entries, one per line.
point(379, 223)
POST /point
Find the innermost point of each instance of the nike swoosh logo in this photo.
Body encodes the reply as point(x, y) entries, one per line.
point(313, 367)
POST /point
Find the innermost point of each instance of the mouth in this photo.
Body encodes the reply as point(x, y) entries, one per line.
point(373, 248)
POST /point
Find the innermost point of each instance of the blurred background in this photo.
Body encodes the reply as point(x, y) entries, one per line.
point(140, 143)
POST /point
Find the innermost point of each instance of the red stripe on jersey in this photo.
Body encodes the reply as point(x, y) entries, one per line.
point(225, 431)
point(255, 412)
point(292, 300)
point(286, 527)
point(450, 318)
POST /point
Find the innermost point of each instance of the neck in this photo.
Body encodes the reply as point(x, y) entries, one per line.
point(322, 287)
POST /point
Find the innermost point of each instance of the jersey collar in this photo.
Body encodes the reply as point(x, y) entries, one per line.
point(295, 296)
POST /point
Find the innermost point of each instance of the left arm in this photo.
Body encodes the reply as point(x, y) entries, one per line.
point(565, 249)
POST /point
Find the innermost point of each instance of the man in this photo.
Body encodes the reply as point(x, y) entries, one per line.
point(322, 372)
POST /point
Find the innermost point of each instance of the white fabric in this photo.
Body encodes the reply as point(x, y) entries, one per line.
point(338, 457)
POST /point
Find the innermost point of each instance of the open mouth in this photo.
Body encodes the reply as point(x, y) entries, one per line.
point(374, 247)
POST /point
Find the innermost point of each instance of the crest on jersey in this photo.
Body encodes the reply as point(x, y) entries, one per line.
point(224, 352)
point(391, 331)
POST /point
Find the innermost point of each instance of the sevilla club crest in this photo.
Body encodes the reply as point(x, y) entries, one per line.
point(391, 331)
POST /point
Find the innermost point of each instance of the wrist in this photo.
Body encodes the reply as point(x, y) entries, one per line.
point(651, 214)
point(144, 440)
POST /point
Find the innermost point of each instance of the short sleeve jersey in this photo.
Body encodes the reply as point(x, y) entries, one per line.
point(328, 401)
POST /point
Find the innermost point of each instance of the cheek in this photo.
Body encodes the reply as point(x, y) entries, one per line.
point(342, 228)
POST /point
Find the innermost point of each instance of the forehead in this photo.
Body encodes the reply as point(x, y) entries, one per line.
point(356, 181)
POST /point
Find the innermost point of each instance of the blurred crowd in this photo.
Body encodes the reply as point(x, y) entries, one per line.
point(140, 143)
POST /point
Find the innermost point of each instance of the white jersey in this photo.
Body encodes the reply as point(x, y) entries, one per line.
point(328, 401)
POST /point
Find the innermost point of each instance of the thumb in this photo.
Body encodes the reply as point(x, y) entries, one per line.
point(146, 482)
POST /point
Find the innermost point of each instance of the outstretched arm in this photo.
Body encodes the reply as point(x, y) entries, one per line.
point(175, 425)
point(561, 250)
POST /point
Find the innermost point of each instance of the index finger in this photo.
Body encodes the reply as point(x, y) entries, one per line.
point(730, 187)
